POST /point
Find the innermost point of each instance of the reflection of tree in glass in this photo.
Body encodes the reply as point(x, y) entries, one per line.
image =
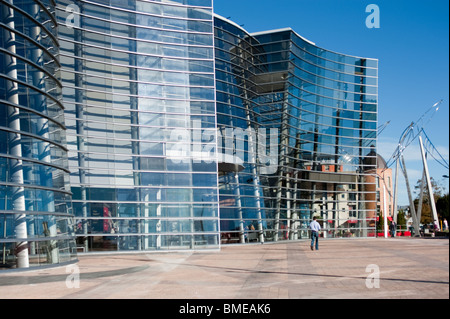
point(439, 198)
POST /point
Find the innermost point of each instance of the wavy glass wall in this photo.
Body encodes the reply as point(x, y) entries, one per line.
point(327, 116)
point(244, 143)
point(322, 108)
point(36, 224)
point(139, 93)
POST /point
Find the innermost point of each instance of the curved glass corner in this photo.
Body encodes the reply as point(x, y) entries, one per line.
point(36, 221)
point(304, 120)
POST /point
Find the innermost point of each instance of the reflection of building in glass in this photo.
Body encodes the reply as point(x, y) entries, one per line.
point(139, 94)
point(324, 107)
point(379, 178)
point(35, 212)
point(184, 130)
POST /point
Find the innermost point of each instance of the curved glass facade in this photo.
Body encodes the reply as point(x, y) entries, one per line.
point(36, 225)
point(139, 93)
point(322, 106)
point(242, 134)
point(184, 131)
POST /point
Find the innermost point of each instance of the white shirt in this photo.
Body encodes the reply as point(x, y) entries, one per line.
point(315, 226)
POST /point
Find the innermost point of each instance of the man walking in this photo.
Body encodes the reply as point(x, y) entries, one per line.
point(393, 228)
point(315, 228)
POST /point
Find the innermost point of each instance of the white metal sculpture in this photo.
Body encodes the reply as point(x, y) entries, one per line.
point(414, 130)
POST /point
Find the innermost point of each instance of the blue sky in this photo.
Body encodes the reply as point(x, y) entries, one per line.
point(412, 47)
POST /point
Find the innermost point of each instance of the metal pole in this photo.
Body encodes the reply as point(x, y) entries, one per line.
point(419, 208)
point(395, 190)
point(14, 139)
point(411, 202)
point(4, 236)
point(430, 189)
point(80, 125)
point(385, 212)
point(239, 205)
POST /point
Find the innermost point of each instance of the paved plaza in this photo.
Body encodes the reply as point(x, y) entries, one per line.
point(412, 268)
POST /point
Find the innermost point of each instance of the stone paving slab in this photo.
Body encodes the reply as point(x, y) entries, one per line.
point(399, 268)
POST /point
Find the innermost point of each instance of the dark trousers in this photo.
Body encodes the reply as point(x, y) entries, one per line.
point(315, 237)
